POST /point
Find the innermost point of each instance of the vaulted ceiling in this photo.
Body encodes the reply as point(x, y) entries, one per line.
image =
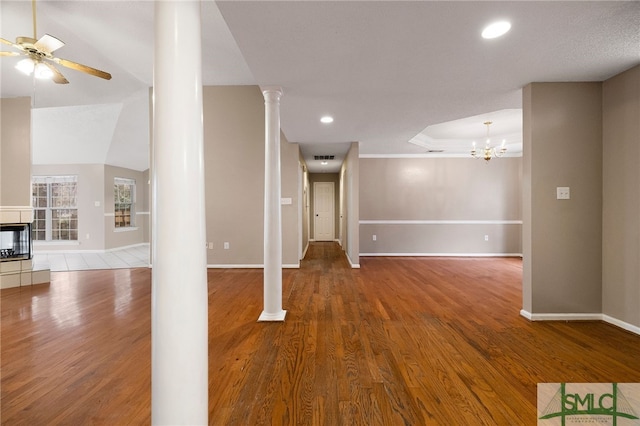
point(385, 70)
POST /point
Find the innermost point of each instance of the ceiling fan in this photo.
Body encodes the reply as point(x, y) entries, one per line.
point(40, 59)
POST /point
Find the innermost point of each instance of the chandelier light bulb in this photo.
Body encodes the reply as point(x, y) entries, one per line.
point(25, 66)
point(42, 71)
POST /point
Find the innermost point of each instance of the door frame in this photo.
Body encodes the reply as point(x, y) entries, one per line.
point(333, 210)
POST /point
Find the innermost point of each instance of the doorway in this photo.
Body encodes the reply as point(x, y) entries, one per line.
point(323, 211)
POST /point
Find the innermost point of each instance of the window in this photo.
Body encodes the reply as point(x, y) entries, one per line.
point(124, 196)
point(55, 208)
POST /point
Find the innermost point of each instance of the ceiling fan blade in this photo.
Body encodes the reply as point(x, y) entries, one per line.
point(57, 75)
point(9, 54)
point(48, 43)
point(17, 46)
point(83, 68)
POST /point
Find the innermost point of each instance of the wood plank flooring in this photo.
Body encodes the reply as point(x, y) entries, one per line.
point(401, 341)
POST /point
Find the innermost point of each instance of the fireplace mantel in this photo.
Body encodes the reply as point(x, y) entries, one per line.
point(16, 214)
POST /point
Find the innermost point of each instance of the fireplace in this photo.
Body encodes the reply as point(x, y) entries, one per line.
point(16, 250)
point(15, 241)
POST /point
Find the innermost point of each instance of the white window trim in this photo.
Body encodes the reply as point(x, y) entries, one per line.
point(48, 180)
point(133, 183)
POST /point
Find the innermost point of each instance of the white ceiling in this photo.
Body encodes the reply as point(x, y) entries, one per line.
point(386, 71)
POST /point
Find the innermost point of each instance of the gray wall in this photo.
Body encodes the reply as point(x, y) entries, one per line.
point(96, 229)
point(91, 218)
point(234, 171)
point(15, 152)
point(435, 206)
point(562, 241)
point(289, 164)
point(350, 182)
point(138, 234)
point(621, 203)
point(324, 177)
point(306, 205)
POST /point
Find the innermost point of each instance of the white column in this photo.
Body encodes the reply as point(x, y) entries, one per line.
point(272, 216)
point(179, 305)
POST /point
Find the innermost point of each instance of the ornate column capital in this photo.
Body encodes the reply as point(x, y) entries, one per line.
point(272, 93)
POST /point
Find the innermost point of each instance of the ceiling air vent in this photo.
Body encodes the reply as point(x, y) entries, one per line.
point(323, 157)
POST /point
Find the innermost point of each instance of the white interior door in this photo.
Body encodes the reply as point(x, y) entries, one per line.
point(324, 213)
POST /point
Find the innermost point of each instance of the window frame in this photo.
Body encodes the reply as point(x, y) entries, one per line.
point(56, 208)
point(123, 210)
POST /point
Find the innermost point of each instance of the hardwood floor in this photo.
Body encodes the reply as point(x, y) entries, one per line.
point(401, 341)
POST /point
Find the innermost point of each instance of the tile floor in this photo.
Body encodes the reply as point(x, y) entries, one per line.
point(131, 257)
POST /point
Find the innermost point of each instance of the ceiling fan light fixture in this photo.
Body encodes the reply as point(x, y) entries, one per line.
point(42, 71)
point(496, 29)
point(26, 66)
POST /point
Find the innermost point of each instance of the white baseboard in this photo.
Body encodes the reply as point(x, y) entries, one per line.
point(353, 265)
point(291, 266)
point(442, 254)
point(581, 317)
point(126, 247)
point(562, 317)
point(624, 325)
point(526, 314)
point(235, 266)
point(249, 266)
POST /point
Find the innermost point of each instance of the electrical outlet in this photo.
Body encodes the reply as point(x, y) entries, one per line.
point(374, 237)
point(563, 193)
point(226, 245)
point(486, 238)
point(210, 246)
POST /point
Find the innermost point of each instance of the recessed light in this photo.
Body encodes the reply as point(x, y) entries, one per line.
point(324, 163)
point(496, 29)
point(326, 119)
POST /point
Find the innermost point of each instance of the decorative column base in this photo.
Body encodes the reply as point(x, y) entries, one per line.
point(268, 316)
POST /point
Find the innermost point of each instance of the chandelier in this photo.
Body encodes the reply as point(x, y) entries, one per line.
point(488, 152)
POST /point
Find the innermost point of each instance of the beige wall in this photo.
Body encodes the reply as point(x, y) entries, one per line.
point(124, 237)
point(431, 206)
point(351, 195)
point(234, 171)
point(621, 203)
point(306, 205)
point(15, 152)
point(91, 218)
point(146, 205)
point(289, 164)
point(563, 238)
point(324, 177)
point(96, 229)
point(527, 231)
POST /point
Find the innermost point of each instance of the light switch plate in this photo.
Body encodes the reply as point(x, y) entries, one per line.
point(563, 193)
